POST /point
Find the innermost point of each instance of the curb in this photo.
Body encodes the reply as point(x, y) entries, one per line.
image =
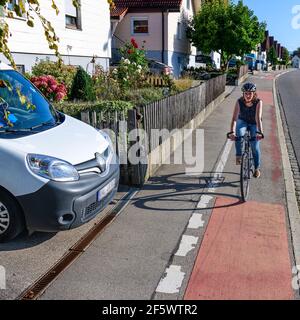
point(291, 200)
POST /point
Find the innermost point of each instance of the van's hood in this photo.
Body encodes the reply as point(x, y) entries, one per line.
point(73, 141)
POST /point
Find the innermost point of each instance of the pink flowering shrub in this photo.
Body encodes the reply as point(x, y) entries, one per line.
point(49, 86)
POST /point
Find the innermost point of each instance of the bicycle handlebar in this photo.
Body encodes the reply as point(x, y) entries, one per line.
point(257, 132)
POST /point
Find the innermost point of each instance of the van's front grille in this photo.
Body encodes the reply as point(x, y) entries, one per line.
point(91, 209)
point(100, 164)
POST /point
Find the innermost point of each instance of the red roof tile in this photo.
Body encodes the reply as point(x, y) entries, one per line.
point(161, 4)
point(118, 11)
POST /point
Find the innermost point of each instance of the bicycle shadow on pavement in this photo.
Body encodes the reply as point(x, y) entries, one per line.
point(167, 194)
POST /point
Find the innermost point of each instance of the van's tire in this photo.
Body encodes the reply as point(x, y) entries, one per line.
point(11, 218)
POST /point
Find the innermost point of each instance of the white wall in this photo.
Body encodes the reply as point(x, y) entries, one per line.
point(153, 38)
point(174, 43)
point(93, 39)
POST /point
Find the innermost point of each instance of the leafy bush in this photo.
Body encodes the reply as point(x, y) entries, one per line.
point(106, 87)
point(201, 73)
point(183, 84)
point(82, 87)
point(63, 73)
point(240, 63)
point(50, 87)
point(133, 66)
point(143, 96)
point(74, 109)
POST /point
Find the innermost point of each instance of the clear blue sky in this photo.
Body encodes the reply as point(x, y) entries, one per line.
point(278, 15)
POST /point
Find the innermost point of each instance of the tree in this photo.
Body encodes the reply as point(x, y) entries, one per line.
point(285, 56)
point(272, 56)
point(82, 88)
point(230, 29)
point(30, 9)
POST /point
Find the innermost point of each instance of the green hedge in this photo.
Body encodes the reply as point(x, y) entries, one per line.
point(74, 109)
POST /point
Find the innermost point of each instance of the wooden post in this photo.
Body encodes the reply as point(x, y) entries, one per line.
point(85, 117)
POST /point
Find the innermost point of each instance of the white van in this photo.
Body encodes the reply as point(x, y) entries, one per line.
point(56, 172)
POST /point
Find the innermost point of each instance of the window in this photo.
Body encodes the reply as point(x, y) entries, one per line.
point(73, 15)
point(188, 4)
point(139, 25)
point(179, 30)
point(20, 68)
point(12, 86)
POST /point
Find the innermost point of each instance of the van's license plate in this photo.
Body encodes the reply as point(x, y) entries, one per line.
point(106, 190)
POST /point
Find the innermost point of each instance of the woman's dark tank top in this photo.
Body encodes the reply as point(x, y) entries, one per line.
point(248, 114)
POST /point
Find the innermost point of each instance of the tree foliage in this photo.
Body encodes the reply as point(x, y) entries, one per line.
point(30, 9)
point(230, 29)
point(272, 56)
point(82, 88)
point(285, 56)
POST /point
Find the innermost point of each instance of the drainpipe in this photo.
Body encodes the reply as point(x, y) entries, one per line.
point(163, 37)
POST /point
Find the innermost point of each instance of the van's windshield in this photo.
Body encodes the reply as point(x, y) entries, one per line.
point(22, 107)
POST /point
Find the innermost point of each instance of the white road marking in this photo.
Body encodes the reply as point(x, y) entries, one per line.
point(196, 221)
point(223, 160)
point(172, 282)
point(187, 244)
point(173, 279)
point(204, 201)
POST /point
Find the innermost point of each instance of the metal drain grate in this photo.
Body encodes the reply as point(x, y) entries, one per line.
point(39, 287)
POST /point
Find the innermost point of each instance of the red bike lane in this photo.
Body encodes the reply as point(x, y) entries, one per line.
point(244, 254)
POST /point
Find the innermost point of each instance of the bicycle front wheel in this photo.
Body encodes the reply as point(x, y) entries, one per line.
point(245, 176)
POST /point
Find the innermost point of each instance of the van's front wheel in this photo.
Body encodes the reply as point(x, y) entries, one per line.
point(11, 218)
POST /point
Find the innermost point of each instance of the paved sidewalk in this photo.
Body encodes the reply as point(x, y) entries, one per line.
point(150, 250)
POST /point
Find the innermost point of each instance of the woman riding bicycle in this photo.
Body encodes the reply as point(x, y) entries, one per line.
point(248, 114)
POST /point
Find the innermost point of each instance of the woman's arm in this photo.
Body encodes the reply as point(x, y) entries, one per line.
point(259, 117)
point(235, 117)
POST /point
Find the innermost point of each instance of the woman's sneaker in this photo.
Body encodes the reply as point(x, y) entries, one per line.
point(256, 173)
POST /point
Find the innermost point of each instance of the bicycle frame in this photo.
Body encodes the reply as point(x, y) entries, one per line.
point(247, 165)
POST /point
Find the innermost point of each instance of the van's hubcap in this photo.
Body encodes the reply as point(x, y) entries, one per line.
point(4, 218)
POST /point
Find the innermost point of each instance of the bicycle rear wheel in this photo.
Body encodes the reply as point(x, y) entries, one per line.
point(245, 176)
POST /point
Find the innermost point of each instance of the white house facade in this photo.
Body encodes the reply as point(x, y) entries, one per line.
point(84, 33)
point(161, 26)
point(296, 62)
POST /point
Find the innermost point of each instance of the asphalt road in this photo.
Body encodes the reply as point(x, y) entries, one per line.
point(151, 250)
point(289, 89)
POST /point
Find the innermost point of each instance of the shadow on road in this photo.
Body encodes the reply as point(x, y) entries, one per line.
point(179, 191)
point(25, 241)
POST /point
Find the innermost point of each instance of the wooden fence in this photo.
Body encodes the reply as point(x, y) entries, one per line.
point(176, 111)
point(243, 70)
point(171, 113)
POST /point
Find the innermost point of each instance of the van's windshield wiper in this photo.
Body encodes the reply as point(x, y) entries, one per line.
point(31, 129)
point(46, 123)
point(15, 130)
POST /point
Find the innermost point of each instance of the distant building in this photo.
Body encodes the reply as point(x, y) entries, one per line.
point(161, 24)
point(296, 62)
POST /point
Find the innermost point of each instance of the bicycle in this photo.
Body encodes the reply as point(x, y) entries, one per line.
point(247, 162)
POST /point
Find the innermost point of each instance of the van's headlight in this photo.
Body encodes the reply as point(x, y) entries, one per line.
point(52, 168)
